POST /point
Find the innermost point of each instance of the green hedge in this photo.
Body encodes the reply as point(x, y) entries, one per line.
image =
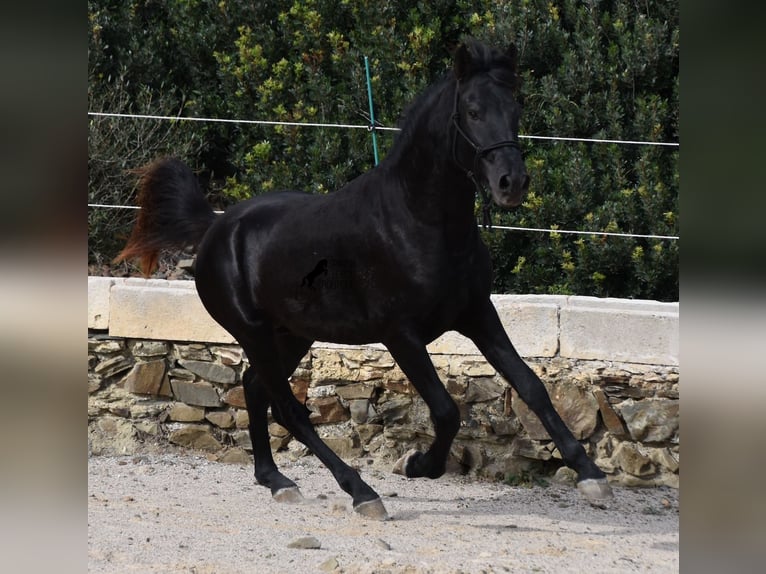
point(604, 69)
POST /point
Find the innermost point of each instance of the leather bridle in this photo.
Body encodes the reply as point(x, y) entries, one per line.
point(478, 153)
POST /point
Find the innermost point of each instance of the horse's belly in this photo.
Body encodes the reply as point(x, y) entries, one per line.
point(332, 319)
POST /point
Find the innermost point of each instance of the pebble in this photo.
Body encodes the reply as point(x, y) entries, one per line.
point(305, 543)
point(383, 544)
point(329, 565)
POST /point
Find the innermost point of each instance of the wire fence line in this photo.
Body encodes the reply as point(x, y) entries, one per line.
point(385, 128)
point(359, 126)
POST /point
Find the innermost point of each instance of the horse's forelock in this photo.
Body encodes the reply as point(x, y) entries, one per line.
point(501, 65)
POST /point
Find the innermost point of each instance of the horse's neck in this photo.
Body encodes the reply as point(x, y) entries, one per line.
point(436, 191)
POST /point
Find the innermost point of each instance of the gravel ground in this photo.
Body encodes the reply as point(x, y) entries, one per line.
point(182, 513)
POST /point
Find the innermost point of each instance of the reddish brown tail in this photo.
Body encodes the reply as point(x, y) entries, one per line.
point(174, 213)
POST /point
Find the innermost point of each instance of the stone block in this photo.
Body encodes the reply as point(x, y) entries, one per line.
point(277, 430)
point(505, 426)
point(105, 347)
point(181, 375)
point(235, 397)
point(401, 387)
point(99, 293)
point(483, 389)
point(200, 394)
point(455, 387)
point(198, 437)
point(221, 419)
point(280, 443)
point(235, 455)
point(94, 383)
point(145, 310)
point(612, 420)
point(194, 352)
point(663, 458)
point(366, 432)
point(620, 330)
point(379, 359)
point(452, 342)
point(300, 388)
point(326, 410)
point(522, 446)
point(343, 446)
point(577, 407)
point(228, 355)
point(465, 458)
point(531, 322)
point(181, 412)
point(477, 368)
point(146, 377)
point(113, 366)
point(650, 420)
point(148, 409)
point(150, 349)
point(394, 410)
point(632, 460)
point(112, 435)
point(151, 428)
point(329, 367)
point(355, 391)
point(210, 371)
point(359, 409)
point(241, 419)
point(242, 439)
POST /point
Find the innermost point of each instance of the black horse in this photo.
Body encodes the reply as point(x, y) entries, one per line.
point(413, 267)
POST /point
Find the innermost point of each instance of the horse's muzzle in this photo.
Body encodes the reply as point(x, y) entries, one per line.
point(510, 190)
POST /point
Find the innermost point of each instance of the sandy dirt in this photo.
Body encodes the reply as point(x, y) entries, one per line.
point(182, 513)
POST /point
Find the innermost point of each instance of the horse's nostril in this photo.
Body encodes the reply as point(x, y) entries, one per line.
point(505, 182)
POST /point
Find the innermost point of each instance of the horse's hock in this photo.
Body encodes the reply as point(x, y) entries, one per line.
point(161, 371)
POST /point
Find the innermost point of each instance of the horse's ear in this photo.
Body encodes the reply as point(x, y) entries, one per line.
point(462, 62)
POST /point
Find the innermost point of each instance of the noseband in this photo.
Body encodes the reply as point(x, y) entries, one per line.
point(478, 153)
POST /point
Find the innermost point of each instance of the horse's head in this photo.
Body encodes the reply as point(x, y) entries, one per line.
point(485, 121)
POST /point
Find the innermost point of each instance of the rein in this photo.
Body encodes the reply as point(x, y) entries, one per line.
point(478, 153)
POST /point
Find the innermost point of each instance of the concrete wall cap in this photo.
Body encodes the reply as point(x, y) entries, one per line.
point(538, 325)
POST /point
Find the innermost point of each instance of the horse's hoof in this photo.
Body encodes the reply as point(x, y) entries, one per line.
point(596, 491)
point(372, 509)
point(290, 494)
point(401, 465)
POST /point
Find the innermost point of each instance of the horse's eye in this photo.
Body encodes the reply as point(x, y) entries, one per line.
point(473, 114)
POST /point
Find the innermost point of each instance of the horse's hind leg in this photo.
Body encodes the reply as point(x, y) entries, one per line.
point(266, 472)
point(263, 347)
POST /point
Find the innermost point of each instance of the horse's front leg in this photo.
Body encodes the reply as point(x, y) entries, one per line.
point(484, 328)
point(412, 357)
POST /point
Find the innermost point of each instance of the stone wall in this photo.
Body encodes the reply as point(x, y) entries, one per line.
point(160, 372)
